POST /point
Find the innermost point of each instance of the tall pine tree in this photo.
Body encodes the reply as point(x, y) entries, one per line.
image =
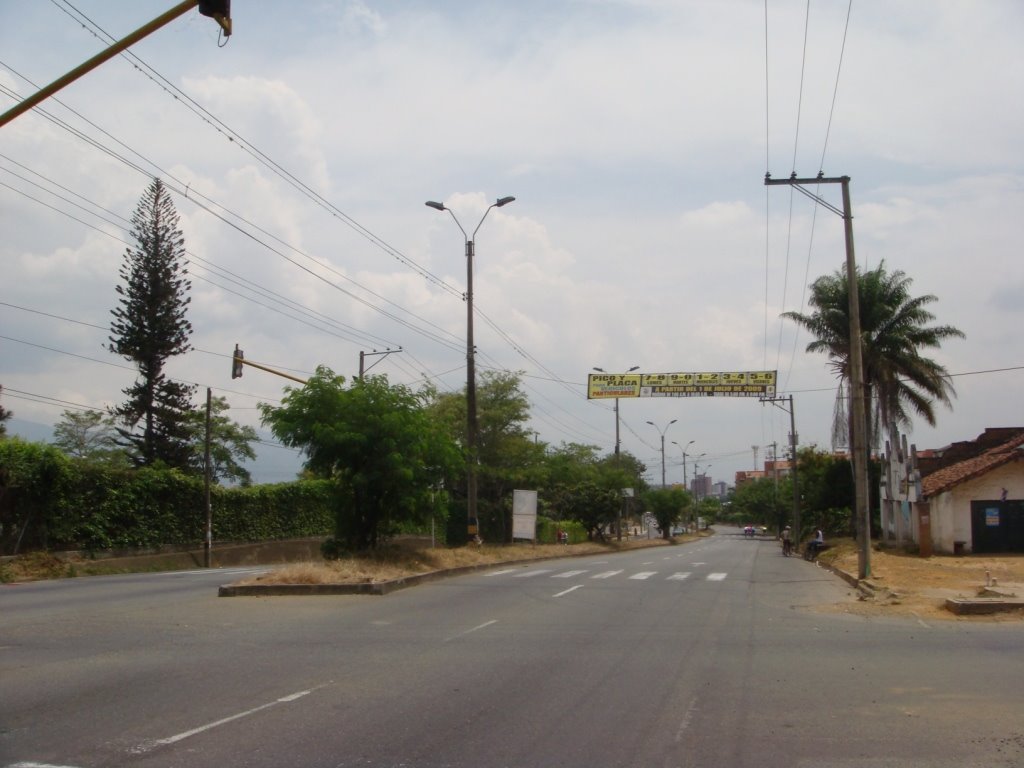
point(149, 328)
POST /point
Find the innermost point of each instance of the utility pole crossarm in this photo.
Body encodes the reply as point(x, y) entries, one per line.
point(798, 183)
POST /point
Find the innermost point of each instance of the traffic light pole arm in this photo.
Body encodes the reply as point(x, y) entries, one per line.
point(243, 361)
point(26, 104)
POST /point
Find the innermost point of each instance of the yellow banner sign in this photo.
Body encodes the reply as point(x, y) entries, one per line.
point(711, 384)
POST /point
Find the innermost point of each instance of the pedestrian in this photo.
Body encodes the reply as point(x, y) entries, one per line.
point(818, 541)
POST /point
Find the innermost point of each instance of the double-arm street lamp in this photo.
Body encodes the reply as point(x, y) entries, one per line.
point(662, 433)
point(471, 421)
point(685, 454)
point(617, 441)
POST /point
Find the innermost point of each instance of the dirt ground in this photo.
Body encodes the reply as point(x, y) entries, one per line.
point(907, 584)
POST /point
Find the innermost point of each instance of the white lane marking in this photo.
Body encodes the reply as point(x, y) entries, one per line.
point(567, 574)
point(150, 745)
point(687, 718)
point(38, 765)
point(698, 563)
point(717, 576)
point(605, 574)
point(530, 574)
point(643, 575)
point(502, 572)
point(567, 591)
point(679, 576)
point(477, 628)
point(208, 571)
point(649, 562)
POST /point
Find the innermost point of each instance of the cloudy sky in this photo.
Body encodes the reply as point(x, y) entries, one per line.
point(634, 135)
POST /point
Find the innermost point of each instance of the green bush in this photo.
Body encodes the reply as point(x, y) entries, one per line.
point(49, 501)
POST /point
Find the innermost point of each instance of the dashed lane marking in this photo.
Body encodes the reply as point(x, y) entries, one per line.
point(531, 574)
point(567, 574)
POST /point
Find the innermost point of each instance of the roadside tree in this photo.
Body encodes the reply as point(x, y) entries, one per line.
point(90, 436)
point(150, 327)
point(509, 456)
point(379, 444)
point(230, 443)
point(669, 506)
point(898, 379)
point(5, 415)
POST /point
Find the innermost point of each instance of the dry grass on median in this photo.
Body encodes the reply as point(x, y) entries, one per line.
point(395, 562)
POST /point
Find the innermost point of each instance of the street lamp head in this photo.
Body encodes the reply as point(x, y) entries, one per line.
point(673, 421)
point(501, 201)
point(437, 206)
point(633, 369)
point(653, 424)
point(599, 370)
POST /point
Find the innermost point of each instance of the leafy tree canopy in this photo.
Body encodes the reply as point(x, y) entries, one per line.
point(90, 436)
point(895, 330)
point(377, 441)
point(230, 443)
point(668, 505)
point(4, 416)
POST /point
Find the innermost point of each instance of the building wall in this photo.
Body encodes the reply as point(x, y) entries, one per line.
point(951, 511)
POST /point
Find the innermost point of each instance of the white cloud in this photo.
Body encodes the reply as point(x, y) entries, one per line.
point(633, 136)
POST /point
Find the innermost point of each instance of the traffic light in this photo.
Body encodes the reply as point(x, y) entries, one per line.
point(220, 11)
point(236, 363)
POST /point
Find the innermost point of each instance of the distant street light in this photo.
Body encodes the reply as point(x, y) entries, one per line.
point(662, 433)
point(471, 421)
point(617, 441)
point(683, 449)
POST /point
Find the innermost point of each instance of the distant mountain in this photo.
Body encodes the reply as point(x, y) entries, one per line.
point(273, 464)
point(29, 430)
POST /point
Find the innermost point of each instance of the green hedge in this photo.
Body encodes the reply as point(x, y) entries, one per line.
point(49, 501)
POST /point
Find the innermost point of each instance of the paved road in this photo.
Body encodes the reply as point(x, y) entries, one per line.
point(705, 654)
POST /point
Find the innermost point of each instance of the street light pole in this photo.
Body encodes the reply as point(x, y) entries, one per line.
point(662, 433)
point(617, 441)
point(472, 521)
point(618, 462)
point(683, 449)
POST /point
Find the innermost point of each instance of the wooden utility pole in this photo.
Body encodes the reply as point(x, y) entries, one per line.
point(208, 478)
point(858, 440)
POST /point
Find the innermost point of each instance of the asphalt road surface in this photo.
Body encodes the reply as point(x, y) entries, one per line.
point(714, 653)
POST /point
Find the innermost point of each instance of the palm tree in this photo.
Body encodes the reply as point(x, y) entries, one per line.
point(894, 331)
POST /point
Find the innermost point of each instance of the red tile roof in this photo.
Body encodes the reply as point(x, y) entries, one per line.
point(968, 469)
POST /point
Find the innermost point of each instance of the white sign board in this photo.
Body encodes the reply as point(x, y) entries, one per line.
point(524, 515)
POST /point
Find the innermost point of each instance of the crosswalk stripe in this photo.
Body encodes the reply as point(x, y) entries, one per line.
point(605, 574)
point(567, 574)
point(502, 572)
point(679, 576)
point(643, 575)
point(530, 574)
point(717, 576)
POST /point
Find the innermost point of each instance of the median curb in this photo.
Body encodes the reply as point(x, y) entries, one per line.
point(381, 588)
